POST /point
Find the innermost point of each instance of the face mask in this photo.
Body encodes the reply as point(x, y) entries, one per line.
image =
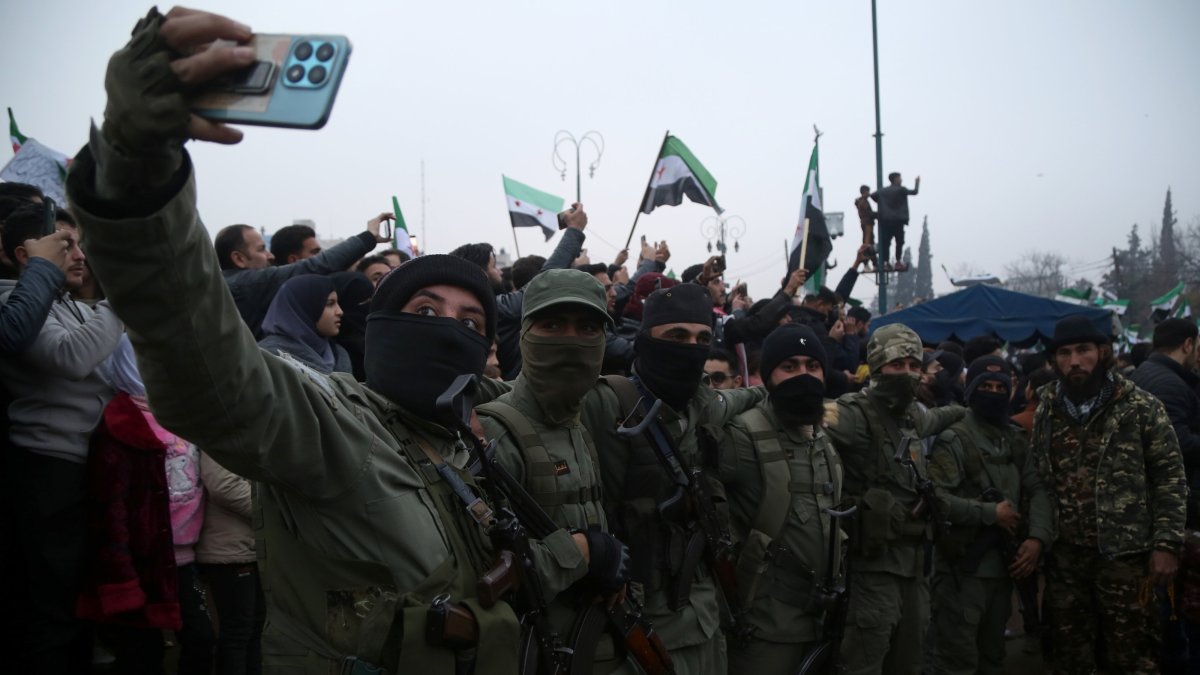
point(799, 400)
point(560, 371)
point(991, 406)
point(411, 359)
point(671, 370)
point(897, 391)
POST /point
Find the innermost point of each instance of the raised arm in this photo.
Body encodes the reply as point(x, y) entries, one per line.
point(24, 311)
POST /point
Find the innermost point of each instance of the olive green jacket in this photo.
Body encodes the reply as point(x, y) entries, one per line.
point(698, 620)
point(867, 453)
point(1141, 487)
point(340, 480)
point(783, 607)
point(972, 456)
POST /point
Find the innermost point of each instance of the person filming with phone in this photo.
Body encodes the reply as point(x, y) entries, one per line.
point(371, 532)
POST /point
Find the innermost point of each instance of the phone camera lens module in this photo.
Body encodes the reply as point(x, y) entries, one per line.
point(325, 52)
point(303, 51)
point(316, 75)
point(295, 73)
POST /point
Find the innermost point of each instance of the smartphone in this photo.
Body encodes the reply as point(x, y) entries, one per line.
point(719, 266)
point(292, 84)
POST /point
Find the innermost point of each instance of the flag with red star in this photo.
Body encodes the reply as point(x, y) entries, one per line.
point(679, 174)
point(528, 207)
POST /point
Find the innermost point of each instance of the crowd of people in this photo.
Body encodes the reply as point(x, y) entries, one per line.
point(270, 456)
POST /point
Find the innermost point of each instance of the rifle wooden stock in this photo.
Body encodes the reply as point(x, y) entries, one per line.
point(498, 581)
point(642, 641)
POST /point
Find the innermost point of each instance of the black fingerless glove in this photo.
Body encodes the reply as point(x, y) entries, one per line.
point(608, 568)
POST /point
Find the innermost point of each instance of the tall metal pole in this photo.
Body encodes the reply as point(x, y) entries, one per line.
point(880, 253)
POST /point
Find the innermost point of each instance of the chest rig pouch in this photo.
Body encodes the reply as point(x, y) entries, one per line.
point(666, 545)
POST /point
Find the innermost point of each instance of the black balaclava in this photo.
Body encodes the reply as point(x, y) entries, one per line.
point(800, 399)
point(672, 370)
point(411, 358)
point(991, 406)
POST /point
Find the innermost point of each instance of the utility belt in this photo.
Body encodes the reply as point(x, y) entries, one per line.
point(883, 522)
point(775, 570)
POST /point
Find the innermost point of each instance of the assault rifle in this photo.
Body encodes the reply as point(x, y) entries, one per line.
point(692, 502)
point(995, 537)
point(834, 600)
point(542, 650)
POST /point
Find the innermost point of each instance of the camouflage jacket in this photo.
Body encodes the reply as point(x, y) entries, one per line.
point(1140, 486)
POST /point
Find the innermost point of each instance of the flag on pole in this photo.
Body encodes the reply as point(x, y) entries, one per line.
point(679, 174)
point(1166, 302)
point(1075, 296)
point(35, 164)
point(400, 239)
point(14, 134)
point(1119, 307)
point(820, 245)
point(528, 207)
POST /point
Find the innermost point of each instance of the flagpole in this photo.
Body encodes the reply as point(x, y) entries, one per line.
point(647, 192)
point(516, 243)
point(804, 247)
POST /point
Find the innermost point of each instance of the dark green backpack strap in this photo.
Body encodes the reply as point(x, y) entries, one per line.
point(776, 475)
point(626, 391)
point(539, 468)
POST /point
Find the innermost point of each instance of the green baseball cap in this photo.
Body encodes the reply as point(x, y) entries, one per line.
point(552, 288)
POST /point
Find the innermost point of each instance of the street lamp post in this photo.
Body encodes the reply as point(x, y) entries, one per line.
point(721, 227)
point(560, 164)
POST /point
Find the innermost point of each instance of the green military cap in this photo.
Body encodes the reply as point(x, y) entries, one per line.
point(565, 287)
point(891, 342)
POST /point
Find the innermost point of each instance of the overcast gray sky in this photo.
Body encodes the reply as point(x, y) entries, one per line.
point(1033, 124)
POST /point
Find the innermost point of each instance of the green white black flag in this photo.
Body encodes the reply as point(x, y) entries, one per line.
point(528, 207)
point(678, 174)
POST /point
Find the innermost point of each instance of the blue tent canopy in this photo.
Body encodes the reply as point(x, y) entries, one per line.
point(1018, 318)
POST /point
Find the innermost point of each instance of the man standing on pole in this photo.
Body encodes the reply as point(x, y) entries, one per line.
point(893, 217)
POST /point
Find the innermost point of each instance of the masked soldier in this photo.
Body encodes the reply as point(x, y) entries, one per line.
point(542, 444)
point(368, 550)
point(643, 492)
point(983, 473)
point(780, 471)
point(889, 594)
point(1111, 462)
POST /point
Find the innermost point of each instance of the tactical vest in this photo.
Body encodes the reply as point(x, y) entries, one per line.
point(980, 472)
point(883, 500)
point(657, 546)
point(325, 610)
point(541, 474)
point(761, 562)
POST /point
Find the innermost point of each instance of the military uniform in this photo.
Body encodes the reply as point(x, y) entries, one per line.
point(778, 480)
point(889, 594)
point(971, 608)
point(357, 530)
point(634, 484)
point(1118, 485)
point(556, 462)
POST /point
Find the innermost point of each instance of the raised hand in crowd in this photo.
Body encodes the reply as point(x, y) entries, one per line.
point(795, 281)
point(375, 225)
point(661, 252)
point(622, 256)
point(52, 247)
point(575, 217)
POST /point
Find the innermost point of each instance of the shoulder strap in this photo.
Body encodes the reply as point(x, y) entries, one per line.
point(626, 391)
point(539, 469)
point(776, 475)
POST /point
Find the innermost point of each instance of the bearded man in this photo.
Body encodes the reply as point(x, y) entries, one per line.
point(1109, 458)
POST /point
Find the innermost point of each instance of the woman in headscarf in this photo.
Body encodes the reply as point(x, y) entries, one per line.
point(302, 321)
point(354, 291)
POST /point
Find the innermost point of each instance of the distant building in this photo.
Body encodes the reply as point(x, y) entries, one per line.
point(503, 259)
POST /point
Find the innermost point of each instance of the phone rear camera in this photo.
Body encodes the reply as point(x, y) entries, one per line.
point(295, 73)
point(324, 52)
point(303, 51)
point(316, 75)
